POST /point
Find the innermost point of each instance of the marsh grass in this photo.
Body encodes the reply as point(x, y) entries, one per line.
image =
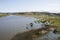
point(1, 15)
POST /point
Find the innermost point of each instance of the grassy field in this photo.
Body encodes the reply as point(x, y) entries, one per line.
point(53, 20)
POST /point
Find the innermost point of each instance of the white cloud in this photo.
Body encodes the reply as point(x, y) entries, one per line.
point(53, 7)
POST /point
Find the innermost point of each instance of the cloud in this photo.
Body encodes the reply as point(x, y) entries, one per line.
point(53, 7)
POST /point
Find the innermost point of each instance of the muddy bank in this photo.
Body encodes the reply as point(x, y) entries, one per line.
point(32, 34)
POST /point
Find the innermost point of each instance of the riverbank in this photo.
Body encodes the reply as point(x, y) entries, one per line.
point(29, 35)
point(32, 34)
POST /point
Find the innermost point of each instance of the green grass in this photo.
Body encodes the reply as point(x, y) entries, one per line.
point(53, 20)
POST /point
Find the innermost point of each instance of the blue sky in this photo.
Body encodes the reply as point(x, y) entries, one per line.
point(29, 5)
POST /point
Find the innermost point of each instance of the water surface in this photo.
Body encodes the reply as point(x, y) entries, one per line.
point(10, 25)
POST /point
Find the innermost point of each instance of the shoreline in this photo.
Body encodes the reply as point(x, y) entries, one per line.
point(32, 34)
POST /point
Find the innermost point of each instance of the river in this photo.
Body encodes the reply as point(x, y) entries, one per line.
point(11, 25)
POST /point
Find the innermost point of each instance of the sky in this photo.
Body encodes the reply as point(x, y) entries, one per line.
point(30, 5)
